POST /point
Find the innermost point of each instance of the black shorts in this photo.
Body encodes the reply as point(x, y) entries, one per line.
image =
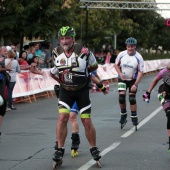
point(81, 97)
point(129, 84)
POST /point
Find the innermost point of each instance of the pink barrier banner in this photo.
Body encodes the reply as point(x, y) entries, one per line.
point(28, 83)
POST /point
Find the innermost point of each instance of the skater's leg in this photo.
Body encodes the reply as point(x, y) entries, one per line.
point(166, 107)
point(62, 129)
point(95, 152)
point(90, 131)
point(133, 108)
point(61, 136)
point(122, 100)
point(123, 117)
point(122, 103)
point(74, 123)
point(169, 139)
point(91, 136)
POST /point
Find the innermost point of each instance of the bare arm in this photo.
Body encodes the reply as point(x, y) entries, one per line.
point(34, 70)
point(117, 68)
point(153, 84)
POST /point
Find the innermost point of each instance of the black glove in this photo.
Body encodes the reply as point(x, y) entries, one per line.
point(146, 95)
point(101, 87)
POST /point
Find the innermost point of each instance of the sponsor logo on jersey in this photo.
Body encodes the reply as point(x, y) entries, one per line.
point(74, 62)
point(63, 61)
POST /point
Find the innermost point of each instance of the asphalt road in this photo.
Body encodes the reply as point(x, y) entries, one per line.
point(28, 135)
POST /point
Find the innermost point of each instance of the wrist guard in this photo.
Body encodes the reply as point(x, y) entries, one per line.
point(101, 87)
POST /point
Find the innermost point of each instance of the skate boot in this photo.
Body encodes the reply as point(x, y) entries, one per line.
point(95, 152)
point(135, 121)
point(58, 158)
point(56, 145)
point(75, 144)
point(123, 120)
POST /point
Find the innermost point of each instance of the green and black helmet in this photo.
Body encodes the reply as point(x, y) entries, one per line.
point(131, 41)
point(66, 31)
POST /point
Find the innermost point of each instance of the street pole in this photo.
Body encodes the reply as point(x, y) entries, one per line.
point(115, 41)
point(86, 25)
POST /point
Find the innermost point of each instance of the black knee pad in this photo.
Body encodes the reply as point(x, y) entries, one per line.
point(122, 98)
point(132, 99)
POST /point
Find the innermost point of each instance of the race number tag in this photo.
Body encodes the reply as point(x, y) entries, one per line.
point(122, 86)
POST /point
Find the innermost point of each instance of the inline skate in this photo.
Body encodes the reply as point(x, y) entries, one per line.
point(95, 152)
point(75, 144)
point(135, 121)
point(58, 158)
point(123, 120)
point(56, 145)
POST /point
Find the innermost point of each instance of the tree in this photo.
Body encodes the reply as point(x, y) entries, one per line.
point(29, 18)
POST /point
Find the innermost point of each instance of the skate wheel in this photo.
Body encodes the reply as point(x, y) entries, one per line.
point(54, 166)
point(74, 153)
point(122, 125)
point(99, 164)
point(57, 164)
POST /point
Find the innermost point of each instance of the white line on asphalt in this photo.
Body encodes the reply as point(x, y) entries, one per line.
point(128, 133)
point(104, 152)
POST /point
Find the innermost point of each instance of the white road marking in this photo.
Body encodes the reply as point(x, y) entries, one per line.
point(128, 133)
point(115, 144)
point(104, 152)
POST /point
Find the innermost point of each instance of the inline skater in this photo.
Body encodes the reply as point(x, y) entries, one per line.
point(72, 65)
point(129, 66)
point(163, 94)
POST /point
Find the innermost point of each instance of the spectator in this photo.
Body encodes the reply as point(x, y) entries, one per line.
point(37, 49)
point(23, 61)
point(108, 57)
point(26, 47)
point(11, 62)
point(35, 67)
point(47, 57)
point(113, 56)
point(2, 90)
point(31, 51)
point(3, 52)
point(14, 48)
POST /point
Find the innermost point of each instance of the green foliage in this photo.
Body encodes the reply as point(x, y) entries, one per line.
point(32, 18)
point(43, 18)
point(155, 56)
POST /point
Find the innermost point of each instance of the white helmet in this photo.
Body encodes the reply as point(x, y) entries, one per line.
point(1, 101)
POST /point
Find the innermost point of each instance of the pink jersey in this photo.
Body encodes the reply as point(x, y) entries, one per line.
point(165, 75)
